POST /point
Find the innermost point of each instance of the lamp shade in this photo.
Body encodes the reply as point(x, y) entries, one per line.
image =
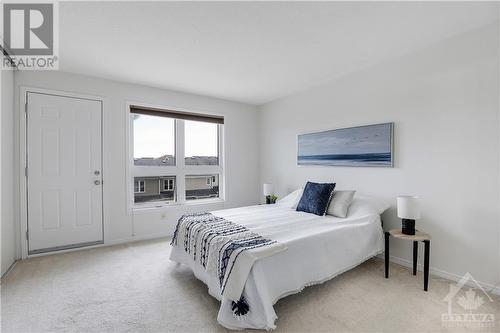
point(268, 189)
point(408, 207)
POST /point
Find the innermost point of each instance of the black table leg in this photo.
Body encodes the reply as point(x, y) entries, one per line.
point(387, 255)
point(426, 263)
point(415, 256)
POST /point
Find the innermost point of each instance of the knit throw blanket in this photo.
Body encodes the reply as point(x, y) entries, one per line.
point(225, 249)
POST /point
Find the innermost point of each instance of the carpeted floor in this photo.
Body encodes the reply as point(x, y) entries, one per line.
point(135, 288)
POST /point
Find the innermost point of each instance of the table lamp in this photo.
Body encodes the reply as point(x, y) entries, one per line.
point(408, 211)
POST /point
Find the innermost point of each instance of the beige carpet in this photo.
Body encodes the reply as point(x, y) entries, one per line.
point(135, 288)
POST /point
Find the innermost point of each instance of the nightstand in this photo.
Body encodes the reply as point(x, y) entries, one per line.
point(418, 237)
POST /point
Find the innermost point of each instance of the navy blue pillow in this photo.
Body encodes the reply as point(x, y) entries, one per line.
point(316, 198)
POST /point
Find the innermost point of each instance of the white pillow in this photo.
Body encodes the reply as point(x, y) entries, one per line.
point(363, 203)
point(300, 191)
point(292, 199)
point(340, 203)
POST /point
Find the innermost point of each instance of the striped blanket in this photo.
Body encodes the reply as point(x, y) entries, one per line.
point(226, 250)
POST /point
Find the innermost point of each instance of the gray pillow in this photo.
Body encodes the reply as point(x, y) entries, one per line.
point(340, 203)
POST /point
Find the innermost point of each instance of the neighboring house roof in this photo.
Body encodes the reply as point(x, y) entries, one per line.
point(165, 160)
point(169, 160)
point(202, 160)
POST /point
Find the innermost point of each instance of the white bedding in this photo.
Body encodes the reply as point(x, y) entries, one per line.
point(318, 248)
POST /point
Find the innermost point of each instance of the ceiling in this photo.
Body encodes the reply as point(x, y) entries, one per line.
point(250, 52)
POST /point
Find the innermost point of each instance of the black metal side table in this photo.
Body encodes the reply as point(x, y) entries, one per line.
point(418, 237)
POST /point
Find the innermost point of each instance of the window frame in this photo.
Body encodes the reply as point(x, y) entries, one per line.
point(167, 181)
point(179, 170)
point(139, 181)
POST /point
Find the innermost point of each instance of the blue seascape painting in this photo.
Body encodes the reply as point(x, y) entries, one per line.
point(356, 146)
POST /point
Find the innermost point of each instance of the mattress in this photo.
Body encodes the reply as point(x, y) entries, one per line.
point(318, 249)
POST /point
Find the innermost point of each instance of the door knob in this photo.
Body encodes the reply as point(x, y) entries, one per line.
point(97, 182)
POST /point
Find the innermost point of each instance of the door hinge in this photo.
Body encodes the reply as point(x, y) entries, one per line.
point(26, 106)
point(27, 235)
point(26, 171)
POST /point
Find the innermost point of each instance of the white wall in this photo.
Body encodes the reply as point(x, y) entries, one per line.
point(444, 102)
point(241, 149)
point(7, 175)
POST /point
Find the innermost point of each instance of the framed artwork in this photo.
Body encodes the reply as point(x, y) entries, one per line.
point(366, 146)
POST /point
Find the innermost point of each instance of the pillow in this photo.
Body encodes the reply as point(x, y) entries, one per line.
point(316, 198)
point(297, 198)
point(340, 203)
point(368, 204)
point(291, 200)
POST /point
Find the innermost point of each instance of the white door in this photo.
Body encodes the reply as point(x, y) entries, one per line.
point(64, 172)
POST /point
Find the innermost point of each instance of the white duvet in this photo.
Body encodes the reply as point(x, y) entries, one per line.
point(318, 248)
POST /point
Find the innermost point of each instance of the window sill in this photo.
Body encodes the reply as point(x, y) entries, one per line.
point(199, 202)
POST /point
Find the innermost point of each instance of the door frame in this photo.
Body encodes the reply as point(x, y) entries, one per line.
point(23, 151)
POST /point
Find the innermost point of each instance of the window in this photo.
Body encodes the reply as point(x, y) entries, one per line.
point(174, 150)
point(139, 186)
point(201, 144)
point(154, 140)
point(151, 189)
point(168, 184)
point(202, 187)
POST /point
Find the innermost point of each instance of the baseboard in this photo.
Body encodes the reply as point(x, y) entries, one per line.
point(443, 274)
point(11, 267)
point(136, 239)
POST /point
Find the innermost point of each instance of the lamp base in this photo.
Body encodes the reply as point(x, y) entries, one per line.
point(408, 227)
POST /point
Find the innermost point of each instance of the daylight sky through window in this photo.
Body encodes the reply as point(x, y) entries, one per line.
point(154, 137)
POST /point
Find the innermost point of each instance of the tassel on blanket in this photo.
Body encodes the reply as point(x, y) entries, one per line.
point(240, 308)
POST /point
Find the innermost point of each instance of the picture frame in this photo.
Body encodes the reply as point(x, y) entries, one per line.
point(359, 146)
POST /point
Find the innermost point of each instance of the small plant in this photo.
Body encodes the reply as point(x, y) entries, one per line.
point(270, 199)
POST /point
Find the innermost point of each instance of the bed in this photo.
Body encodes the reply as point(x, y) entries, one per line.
point(318, 248)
